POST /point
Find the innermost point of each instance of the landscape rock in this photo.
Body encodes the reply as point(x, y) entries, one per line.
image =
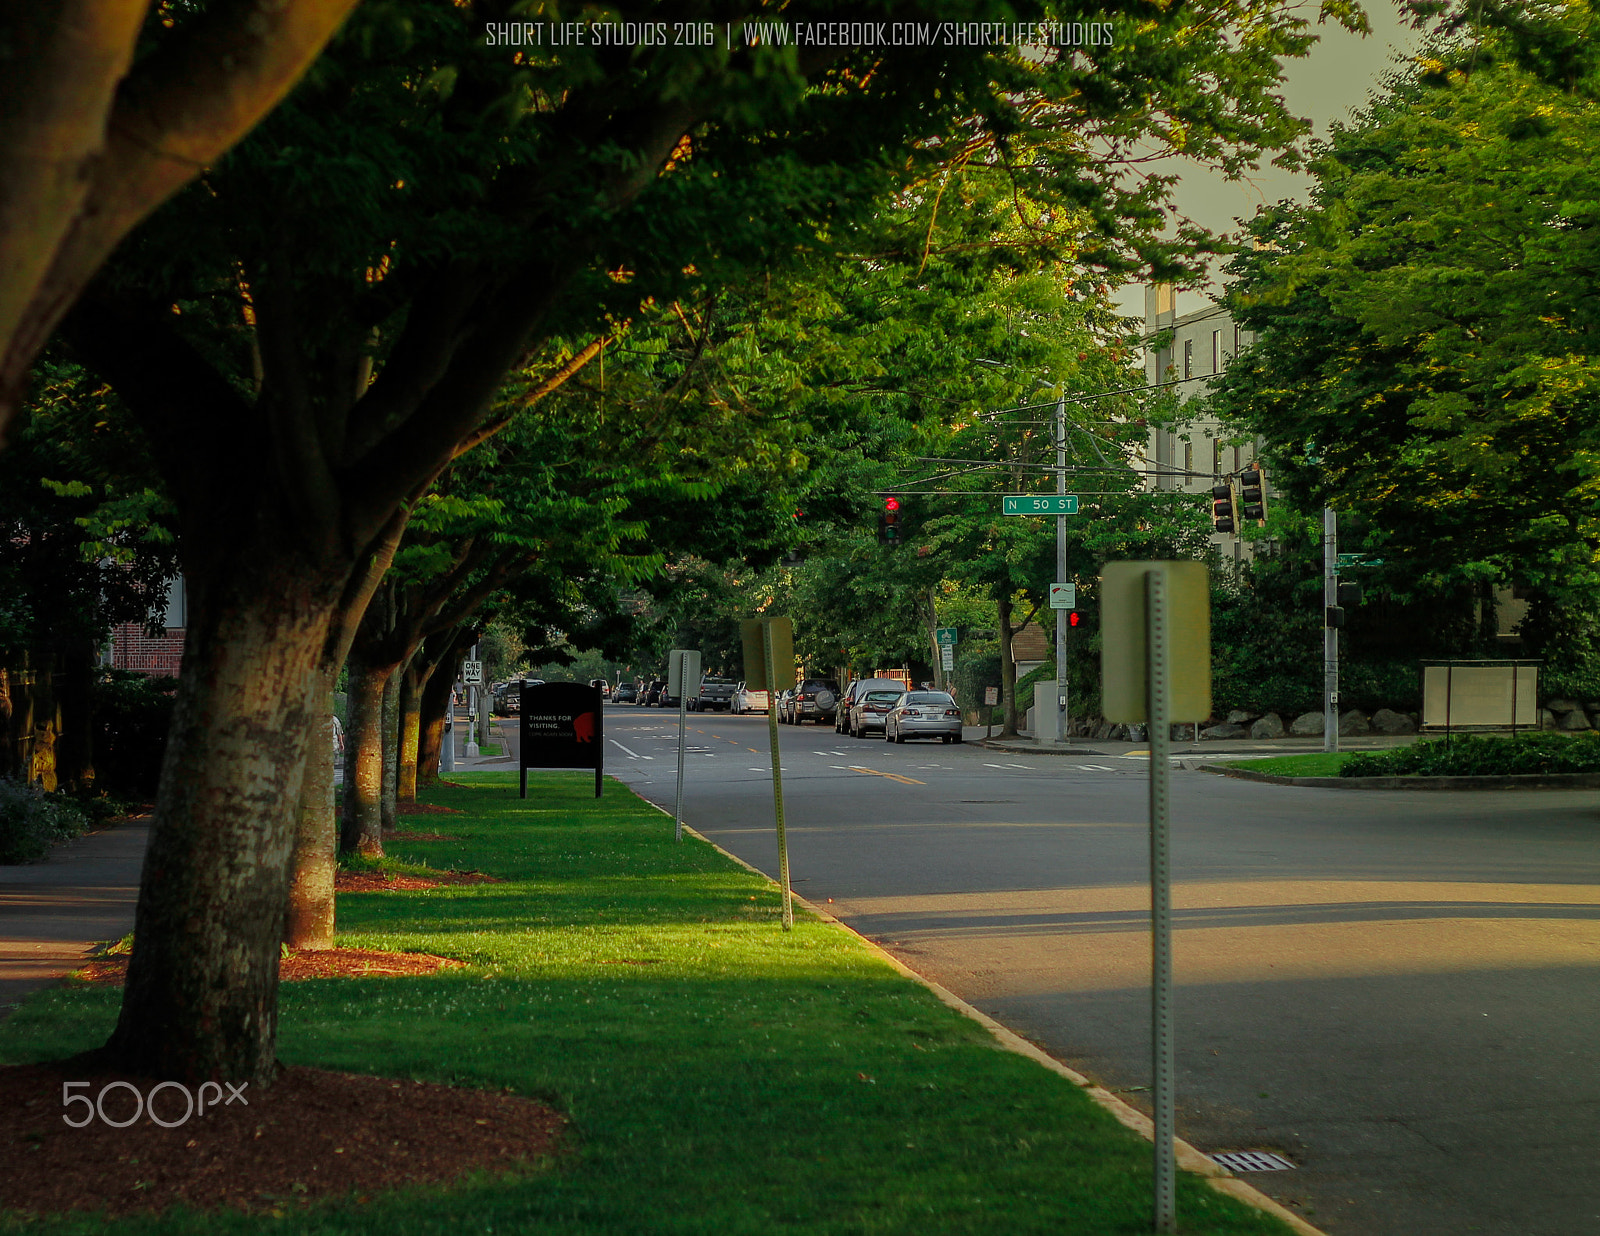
point(1306, 725)
point(1226, 730)
point(1387, 721)
point(1103, 730)
point(1269, 726)
point(1574, 720)
point(1353, 722)
point(1240, 717)
point(1547, 719)
point(1560, 706)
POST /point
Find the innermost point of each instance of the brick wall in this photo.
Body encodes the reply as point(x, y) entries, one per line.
point(132, 649)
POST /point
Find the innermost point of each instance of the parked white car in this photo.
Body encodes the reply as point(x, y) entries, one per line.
point(747, 699)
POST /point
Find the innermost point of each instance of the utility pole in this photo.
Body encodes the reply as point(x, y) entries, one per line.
point(1065, 713)
point(1330, 633)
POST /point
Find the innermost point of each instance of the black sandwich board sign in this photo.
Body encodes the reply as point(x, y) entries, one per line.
point(561, 728)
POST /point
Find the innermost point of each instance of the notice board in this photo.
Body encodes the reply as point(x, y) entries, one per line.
point(562, 727)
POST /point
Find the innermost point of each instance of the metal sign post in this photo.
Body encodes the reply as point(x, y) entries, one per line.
point(1330, 633)
point(682, 669)
point(1155, 618)
point(1158, 683)
point(777, 773)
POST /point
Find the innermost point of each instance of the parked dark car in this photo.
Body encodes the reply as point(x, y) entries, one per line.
point(852, 693)
point(651, 694)
point(815, 699)
point(626, 693)
point(508, 699)
point(923, 714)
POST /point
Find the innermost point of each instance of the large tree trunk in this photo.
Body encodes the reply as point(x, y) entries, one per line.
point(413, 682)
point(316, 848)
point(1008, 671)
point(389, 800)
point(201, 996)
point(436, 696)
point(361, 830)
point(8, 746)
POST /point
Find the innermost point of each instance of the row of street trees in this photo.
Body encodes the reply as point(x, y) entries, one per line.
point(426, 241)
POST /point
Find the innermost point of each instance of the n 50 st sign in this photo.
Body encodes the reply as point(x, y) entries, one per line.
point(1040, 504)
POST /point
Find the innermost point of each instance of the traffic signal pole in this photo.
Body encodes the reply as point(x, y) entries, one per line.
point(1064, 722)
point(1330, 633)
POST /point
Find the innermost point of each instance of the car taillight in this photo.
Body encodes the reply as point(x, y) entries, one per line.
point(952, 712)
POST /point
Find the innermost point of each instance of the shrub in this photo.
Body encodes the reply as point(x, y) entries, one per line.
point(31, 821)
point(1481, 756)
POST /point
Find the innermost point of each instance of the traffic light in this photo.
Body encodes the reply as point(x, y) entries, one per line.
point(889, 521)
point(1224, 518)
point(1074, 618)
point(1253, 494)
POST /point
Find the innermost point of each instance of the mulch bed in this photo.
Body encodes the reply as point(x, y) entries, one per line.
point(406, 835)
point(425, 809)
point(378, 881)
point(305, 964)
point(311, 1135)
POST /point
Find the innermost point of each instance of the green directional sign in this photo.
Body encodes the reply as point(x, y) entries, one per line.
point(1040, 504)
point(945, 637)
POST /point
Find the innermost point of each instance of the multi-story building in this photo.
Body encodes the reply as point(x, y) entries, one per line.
point(1194, 456)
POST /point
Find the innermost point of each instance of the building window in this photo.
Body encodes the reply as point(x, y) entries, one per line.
point(1216, 351)
point(1188, 358)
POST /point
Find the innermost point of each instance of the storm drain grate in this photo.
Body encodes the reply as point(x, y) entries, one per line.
point(1252, 1161)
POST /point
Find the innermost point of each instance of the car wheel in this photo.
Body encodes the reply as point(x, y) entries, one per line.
point(899, 738)
point(886, 737)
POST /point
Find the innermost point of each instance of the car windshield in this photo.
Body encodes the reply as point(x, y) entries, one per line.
point(883, 697)
point(928, 697)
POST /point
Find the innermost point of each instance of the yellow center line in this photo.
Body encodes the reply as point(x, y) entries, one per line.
point(891, 776)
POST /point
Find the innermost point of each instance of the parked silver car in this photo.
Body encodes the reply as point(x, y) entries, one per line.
point(748, 699)
point(923, 714)
point(871, 710)
point(844, 721)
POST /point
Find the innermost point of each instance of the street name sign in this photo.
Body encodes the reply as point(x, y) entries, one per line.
point(1063, 596)
point(1039, 504)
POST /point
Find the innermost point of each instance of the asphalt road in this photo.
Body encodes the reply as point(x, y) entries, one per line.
point(1396, 990)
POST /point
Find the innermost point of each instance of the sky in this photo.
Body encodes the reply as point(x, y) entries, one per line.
point(1323, 87)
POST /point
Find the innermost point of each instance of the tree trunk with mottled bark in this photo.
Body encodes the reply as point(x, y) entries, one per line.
point(361, 829)
point(201, 995)
point(316, 842)
point(389, 800)
point(413, 682)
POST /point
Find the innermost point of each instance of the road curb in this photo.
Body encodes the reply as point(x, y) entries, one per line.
point(1189, 1159)
point(1515, 781)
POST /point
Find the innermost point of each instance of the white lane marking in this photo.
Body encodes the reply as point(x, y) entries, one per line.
point(1028, 767)
point(1095, 767)
point(632, 754)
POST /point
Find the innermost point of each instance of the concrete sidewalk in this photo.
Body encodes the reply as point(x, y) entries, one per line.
point(1233, 748)
point(52, 913)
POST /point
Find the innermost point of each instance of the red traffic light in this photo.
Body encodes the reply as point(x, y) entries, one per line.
point(1072, 618)
point(891, 504)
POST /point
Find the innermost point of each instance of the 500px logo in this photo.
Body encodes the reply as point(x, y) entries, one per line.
point(195, 1102)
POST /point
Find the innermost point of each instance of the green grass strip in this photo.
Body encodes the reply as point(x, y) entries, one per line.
point(722, 1076)
point(1319, 764)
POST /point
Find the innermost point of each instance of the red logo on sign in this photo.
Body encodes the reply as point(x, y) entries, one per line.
point(583, 727)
